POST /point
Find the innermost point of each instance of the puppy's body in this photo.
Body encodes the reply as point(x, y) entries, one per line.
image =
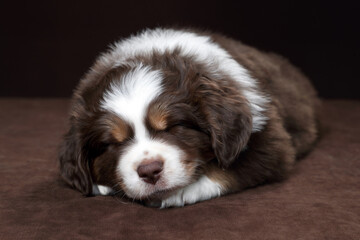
point(174, 117)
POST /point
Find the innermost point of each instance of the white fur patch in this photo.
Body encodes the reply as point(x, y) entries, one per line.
point(202, 49)
point(101, 190)
point(202, 189)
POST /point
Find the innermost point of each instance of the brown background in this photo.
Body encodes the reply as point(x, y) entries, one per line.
point(46, 46)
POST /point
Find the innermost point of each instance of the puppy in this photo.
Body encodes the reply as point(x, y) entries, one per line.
point(174, 117)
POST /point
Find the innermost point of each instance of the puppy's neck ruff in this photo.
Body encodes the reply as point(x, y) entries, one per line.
point(197, 47)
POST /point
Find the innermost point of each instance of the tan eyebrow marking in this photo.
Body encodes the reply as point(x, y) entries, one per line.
point(119, 129)
point(157, 116)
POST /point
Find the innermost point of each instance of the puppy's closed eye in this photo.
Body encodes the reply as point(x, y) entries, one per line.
point(110, 129)
point(157, 117)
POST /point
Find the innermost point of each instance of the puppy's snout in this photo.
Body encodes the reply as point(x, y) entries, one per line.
point(150, 171)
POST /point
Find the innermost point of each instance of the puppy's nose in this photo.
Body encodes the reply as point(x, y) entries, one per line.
point(150, 172)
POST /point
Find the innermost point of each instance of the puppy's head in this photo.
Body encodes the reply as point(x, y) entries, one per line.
point(147, 131)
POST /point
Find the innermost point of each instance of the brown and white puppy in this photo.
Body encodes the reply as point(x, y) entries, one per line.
point(173, 117)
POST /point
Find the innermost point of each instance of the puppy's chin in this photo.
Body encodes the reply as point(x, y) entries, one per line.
point(155, 192)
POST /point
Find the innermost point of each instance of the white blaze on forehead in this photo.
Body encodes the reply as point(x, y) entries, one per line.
point(130, 96)
point(202, 50)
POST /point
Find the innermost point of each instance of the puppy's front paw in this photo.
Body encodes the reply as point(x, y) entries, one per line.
point(175, 200)
point(202, 189)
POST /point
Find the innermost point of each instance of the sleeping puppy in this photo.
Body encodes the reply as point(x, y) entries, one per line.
point(173, 117)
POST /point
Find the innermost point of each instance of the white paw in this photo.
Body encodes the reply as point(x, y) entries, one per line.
point(175, 200)
point(101, 190)
point(202, 189)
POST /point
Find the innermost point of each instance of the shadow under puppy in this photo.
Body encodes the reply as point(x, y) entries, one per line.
point(173, 117)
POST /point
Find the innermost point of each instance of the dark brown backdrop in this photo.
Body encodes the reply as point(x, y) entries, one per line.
point(46, 46)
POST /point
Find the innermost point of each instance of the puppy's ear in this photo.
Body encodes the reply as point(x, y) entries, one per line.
point(74, 166)
point(228, 118)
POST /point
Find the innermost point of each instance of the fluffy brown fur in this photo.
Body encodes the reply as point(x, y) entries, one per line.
point(204, 115)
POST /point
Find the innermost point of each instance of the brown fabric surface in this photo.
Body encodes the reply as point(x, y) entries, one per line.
point(320, 200)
